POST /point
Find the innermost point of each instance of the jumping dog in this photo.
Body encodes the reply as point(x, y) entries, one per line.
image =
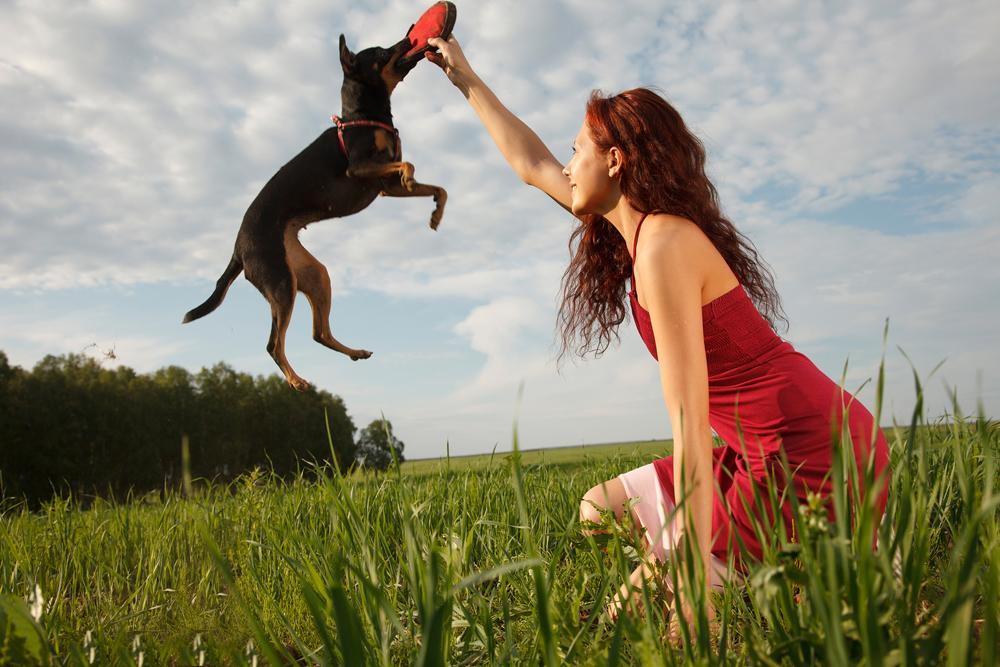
point(338, 174)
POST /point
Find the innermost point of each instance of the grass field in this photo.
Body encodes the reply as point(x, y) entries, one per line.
point(480, 560)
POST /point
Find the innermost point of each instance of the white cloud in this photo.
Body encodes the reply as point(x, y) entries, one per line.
point(505, 331)
point(30, 336)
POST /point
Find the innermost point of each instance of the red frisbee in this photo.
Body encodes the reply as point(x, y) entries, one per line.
point(435, 22)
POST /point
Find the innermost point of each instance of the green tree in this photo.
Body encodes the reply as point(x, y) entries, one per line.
point(376, 444)
point(72, 425)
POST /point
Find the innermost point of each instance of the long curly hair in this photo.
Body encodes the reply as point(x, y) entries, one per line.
point(665, 172)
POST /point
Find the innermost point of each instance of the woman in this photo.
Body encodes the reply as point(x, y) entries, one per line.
point(636, 167)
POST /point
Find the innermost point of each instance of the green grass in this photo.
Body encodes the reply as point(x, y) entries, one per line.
point(480, 560)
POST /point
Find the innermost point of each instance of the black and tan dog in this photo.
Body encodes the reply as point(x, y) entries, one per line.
point(338, 174)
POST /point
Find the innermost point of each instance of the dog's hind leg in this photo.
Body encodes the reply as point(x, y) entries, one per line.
point(313, 280)
point(276, 282)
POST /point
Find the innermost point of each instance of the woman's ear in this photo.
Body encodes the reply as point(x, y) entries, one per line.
point(616, 162)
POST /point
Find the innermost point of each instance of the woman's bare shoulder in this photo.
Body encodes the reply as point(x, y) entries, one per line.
point(681, 244)
point(663, 233)
point(678, 247)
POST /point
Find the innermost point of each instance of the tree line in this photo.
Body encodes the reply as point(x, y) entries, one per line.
point(72, 426)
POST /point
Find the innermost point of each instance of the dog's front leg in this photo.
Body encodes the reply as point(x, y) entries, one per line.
point(381, 170)
point(421, 190)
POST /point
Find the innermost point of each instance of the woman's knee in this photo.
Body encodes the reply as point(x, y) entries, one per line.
point(608, 496)
point(589, 512)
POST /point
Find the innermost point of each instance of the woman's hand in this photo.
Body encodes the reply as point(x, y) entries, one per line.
point(451, 59)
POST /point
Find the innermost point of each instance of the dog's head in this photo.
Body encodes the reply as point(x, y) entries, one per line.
point(376, 66)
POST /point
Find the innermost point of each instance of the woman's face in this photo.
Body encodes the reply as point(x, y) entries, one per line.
point(593, 189)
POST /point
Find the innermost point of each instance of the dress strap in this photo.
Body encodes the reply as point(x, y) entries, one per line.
point(635, 245)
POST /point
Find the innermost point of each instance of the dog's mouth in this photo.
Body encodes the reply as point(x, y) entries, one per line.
point(401, 64)
point(393, 71)
point(401, 46)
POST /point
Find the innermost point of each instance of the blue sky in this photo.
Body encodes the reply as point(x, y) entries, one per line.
point(855, 143)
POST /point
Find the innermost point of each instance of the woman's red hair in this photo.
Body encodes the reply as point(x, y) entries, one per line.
point(664, 171)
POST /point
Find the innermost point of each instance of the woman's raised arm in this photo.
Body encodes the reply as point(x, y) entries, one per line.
point(530, 159)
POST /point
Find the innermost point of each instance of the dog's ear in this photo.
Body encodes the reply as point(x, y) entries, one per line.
point(346, 57)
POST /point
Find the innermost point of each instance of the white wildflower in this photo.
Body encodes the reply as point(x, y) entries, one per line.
point(251, 653)
point(36, 603)
point(89, 647)
point(137, 654)
point(199, 650)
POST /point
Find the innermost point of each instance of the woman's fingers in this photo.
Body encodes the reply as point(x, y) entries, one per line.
point(434, 58)
point(449, 57)
point(446, 48)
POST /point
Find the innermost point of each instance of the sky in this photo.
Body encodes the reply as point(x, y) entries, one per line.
point(855, 143)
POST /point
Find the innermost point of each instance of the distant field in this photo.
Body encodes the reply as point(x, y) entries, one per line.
point(643, 450)
point(650, 449)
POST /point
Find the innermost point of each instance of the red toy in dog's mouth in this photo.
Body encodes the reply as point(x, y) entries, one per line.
point(437, 21)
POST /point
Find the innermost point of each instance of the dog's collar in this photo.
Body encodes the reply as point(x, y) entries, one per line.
point(342, 124)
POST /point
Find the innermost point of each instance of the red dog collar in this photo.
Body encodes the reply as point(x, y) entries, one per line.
point(364, 123)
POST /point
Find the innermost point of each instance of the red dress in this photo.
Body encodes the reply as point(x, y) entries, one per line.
point(782, 400)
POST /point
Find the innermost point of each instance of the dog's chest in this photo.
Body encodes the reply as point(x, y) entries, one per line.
point(350, 196)
point(385, 142)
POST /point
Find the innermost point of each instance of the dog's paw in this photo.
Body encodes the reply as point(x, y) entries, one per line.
point(298, 384)
point(440, 197)
point(359, 354)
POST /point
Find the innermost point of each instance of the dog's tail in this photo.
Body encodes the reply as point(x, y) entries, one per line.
point(221, 286)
